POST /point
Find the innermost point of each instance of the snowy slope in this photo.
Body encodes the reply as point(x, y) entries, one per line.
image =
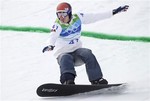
point(24, 67)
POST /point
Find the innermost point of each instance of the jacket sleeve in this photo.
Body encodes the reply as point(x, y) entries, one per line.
point(94, 17)
point(55, 32)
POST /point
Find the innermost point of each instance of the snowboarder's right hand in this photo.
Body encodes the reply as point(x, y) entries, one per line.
point(48, 48)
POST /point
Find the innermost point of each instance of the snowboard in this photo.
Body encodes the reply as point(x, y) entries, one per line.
point(51, 89)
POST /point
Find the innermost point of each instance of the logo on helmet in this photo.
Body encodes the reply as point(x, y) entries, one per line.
point(66, 9)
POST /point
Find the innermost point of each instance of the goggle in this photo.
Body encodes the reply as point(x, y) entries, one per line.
point(62, 14)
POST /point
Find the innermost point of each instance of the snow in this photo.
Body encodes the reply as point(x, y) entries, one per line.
point(24, 67)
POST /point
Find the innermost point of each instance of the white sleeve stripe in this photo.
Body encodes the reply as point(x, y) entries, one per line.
point(54, 35)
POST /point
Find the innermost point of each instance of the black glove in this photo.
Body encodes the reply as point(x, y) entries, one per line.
point(120, 9)
point(48, 48)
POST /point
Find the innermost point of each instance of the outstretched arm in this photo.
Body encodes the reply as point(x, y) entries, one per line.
point(94, 17)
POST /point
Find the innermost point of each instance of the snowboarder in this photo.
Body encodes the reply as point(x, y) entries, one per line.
point(65, 41)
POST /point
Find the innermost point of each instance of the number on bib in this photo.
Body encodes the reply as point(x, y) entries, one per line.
point(73, 41)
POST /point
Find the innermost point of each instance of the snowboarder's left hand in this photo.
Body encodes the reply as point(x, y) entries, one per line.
point(120, 9)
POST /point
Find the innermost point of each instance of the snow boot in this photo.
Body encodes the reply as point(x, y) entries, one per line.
point(67, 78)
point(99, 81)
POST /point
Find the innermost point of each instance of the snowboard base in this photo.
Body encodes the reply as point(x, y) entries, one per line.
point(50, 89)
